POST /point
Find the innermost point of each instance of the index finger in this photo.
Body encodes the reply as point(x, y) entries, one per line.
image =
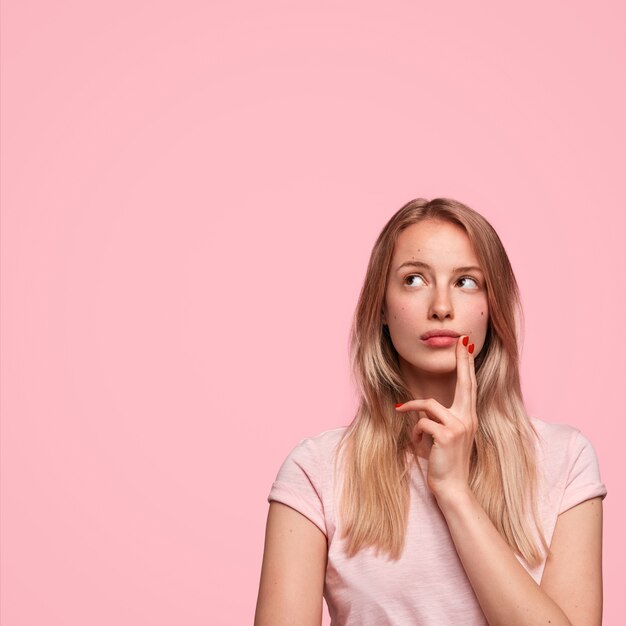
point(463, 390)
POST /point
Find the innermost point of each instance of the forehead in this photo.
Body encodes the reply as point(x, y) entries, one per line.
point(434, 241)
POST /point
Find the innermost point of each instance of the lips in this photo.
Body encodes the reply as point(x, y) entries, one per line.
point(442, 332)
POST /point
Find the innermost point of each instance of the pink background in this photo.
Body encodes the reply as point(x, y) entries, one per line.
point(190, 193)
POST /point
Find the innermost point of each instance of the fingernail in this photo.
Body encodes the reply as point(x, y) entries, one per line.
point(465, 340)
point(470, 348)
point(397, 405)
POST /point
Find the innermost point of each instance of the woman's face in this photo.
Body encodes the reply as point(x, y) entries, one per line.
point(430, 287)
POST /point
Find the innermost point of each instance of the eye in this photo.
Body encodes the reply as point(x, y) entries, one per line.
point(412, 276)
point(463, 278)
point(469, 278)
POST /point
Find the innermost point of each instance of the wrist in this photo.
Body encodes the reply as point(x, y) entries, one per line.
point(454, 497)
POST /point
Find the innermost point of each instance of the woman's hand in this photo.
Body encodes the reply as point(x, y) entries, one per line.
point(452, 429)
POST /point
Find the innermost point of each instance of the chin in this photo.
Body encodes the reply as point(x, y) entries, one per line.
point(443, 369)
point(434, 366)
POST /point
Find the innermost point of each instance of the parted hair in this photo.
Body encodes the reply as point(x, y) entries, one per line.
point(374, 499)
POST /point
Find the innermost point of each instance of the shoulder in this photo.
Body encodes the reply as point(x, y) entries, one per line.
point(327, 439)
point(551, 431)
point(304, 480)
point(560, 440)
point(568, 460)
point(557, 442)
point(319, 448)
point(313, 455)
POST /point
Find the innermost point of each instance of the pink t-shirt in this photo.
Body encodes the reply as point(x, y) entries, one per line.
point(427, 585)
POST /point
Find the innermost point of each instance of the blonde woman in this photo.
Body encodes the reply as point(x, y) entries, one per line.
point(443, 502)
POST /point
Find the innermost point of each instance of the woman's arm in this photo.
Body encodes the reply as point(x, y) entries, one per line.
point(570, 593)
point(293, 570)
point(573, 573)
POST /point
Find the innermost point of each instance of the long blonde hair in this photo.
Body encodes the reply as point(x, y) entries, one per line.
point(503, 472)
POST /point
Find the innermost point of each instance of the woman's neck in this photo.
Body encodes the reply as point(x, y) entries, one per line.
point(441, 387)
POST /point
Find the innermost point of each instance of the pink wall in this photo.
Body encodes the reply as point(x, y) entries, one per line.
point(190, 192)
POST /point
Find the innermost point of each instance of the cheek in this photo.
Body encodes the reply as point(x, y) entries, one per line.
point(404, 314)
point(480, 316)
point(475, 310)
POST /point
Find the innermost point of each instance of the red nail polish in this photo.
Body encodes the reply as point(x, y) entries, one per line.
point(470, 348)
point(465, 340)
point(397, 405)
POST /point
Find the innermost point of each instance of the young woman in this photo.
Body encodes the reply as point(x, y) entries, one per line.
point(443, 502)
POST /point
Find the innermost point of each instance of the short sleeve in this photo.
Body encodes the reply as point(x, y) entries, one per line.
point(298, 483)
point(583, 481)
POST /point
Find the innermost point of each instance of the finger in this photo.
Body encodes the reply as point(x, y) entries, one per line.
point(431, 407)
point(472, 368)
point(463, 391)
point(425, 425)
point(416, 436)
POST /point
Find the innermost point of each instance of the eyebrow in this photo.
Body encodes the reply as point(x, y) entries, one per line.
point(465, 268)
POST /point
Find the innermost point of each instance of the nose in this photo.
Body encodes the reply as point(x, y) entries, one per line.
point(441, 305)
